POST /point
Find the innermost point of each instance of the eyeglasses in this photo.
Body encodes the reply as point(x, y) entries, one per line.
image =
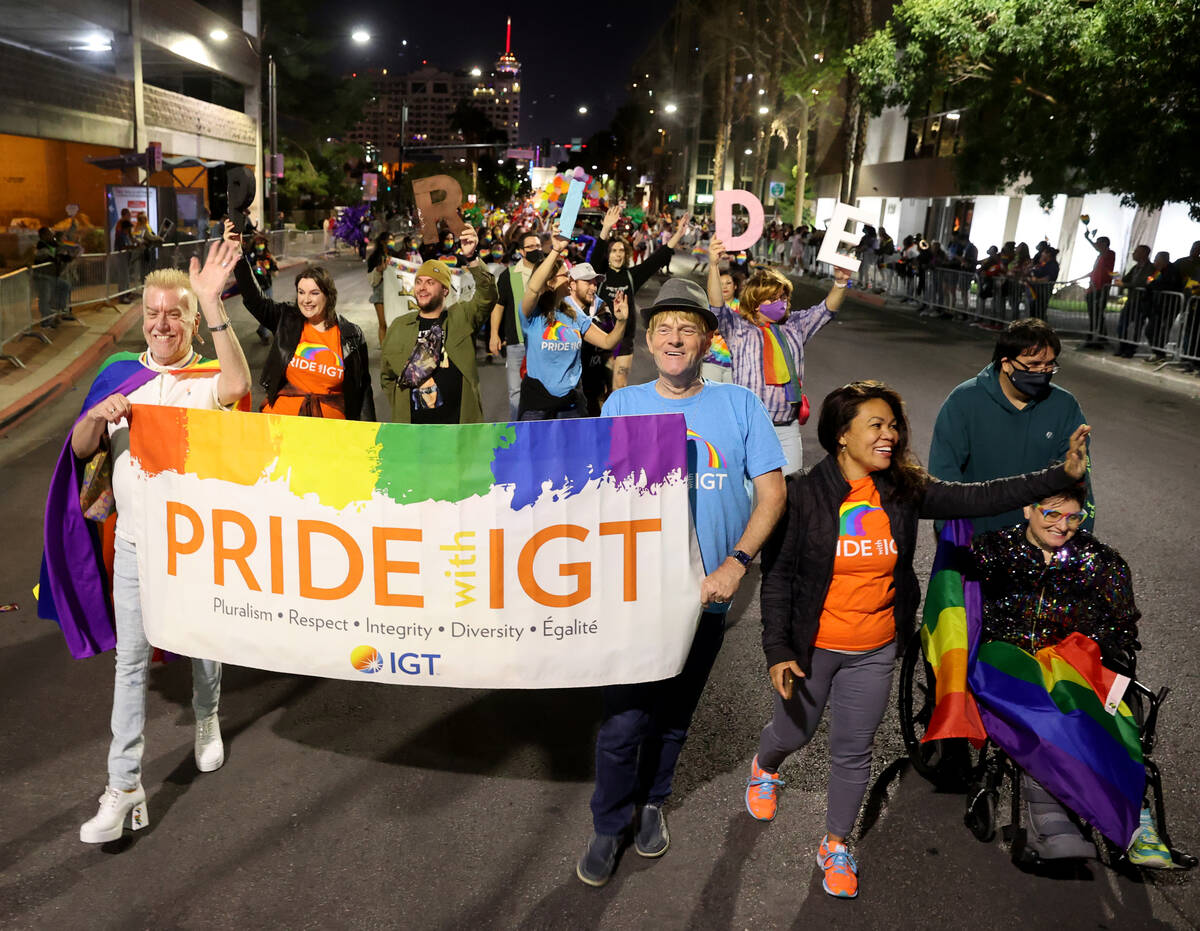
point(1074, 519)
point(1039, 367)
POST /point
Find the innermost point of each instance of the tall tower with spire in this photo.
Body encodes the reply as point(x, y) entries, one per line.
point(508, 87)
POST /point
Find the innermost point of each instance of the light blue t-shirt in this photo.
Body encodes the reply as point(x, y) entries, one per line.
point(730, 439)
point(553, 346)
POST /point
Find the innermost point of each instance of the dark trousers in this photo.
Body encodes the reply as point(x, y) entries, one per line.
point(1097, 300)
point(643, 731)
point(1129, 326)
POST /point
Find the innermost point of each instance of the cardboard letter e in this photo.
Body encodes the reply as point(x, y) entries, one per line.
point(836, 234)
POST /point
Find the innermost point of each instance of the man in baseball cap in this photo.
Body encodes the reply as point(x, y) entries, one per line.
point(427, 367)
point(730, 439)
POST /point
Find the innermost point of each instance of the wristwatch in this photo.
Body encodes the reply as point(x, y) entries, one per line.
point(743, 557)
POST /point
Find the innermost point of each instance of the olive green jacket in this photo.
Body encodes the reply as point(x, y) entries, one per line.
point(462, 320)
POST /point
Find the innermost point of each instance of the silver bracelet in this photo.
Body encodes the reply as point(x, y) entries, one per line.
point(218, 329)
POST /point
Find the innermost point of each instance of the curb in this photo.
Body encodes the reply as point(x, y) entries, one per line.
point(39, 396)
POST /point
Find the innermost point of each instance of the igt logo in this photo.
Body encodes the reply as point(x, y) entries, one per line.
point(366, 659)
point(413, 664)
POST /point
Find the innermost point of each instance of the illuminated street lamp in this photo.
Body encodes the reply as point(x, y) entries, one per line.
point(361, 36)
point(670, 108)
point(762, 111)
point(582, 110)
point(475, 72)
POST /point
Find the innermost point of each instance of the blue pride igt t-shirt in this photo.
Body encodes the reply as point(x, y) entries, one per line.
point(553, 350)
point(730, 439)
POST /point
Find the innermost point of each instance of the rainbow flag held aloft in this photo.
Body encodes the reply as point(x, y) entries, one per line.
point(952, 609)
point(1059, 715)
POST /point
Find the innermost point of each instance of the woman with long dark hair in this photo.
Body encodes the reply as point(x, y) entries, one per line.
point(317, 362)
point(839, 592)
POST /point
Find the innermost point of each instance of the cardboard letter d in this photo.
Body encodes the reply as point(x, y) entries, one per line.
point(723, 202)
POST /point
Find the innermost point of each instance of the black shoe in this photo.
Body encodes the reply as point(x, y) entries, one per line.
point(652, 838)
point(598, 862)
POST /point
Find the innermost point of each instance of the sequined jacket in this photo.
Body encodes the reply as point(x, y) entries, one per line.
point(1085, 587)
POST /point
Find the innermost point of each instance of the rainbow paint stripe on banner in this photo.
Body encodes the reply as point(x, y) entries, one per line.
point(523, 555)
point(951, 611)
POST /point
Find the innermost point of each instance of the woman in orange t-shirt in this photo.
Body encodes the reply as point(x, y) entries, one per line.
point(317, 363)
point(839, 586)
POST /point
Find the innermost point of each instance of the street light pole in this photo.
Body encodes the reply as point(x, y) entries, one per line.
point(274, 141)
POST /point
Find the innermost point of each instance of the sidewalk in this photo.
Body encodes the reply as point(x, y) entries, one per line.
point(75, 348)
point(1160, 374)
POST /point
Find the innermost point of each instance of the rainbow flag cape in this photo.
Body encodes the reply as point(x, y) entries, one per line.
point(952, 604)
point(1058, 713)
point(75, 583)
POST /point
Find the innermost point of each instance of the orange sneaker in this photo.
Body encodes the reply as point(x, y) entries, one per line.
point(841, 872)
point(761, 790)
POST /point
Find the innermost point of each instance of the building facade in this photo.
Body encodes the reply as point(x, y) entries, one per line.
point(82, 80)
point(409, 112)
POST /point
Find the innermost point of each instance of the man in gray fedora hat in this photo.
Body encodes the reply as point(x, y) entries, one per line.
point(730, 439)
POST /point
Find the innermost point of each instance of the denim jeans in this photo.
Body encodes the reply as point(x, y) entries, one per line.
point(643, 731)
point(133, 662)
point(514, 355)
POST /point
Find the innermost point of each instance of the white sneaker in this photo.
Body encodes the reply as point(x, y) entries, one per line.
point(109, 822)
point(210, 750)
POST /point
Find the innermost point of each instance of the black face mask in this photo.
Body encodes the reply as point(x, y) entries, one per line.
point(1031, 384)
point(535, 256)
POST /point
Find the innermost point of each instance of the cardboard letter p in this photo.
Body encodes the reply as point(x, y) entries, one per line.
point(836, 234)
point(723, 202)
point(431, 211)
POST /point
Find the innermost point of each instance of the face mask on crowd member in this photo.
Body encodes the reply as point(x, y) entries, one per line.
point(1030, 373)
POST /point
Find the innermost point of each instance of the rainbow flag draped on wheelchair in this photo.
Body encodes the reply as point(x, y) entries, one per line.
point(1058, 713)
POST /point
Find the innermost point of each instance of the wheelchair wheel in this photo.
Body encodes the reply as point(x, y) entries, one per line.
point(945, 763)
point(981, 815)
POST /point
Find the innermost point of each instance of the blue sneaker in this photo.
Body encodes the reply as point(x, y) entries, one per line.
point(1147, 848)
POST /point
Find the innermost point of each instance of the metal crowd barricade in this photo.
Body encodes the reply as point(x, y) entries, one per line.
point(16, 310)
point(1189, 332)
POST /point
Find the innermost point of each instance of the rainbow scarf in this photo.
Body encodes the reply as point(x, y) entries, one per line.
point(1058, 713)
point(779, 366)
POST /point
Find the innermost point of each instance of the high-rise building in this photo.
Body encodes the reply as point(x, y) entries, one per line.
point(431, 96)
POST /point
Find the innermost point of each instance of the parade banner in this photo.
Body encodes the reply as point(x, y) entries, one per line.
point(527, 555)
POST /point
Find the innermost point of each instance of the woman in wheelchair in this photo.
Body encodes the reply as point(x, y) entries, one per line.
point(839, 588)
point(1040, 582)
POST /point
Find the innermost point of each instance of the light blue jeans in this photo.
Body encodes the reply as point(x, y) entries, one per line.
point(514, 355)
point(133, 663)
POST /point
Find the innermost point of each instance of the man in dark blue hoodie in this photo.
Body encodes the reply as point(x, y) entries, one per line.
point(1008, 419)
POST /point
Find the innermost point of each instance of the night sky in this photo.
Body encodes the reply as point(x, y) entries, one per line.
point(566, 60)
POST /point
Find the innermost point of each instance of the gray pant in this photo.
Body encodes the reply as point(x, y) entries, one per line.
point(859, 685)
point(133, 663)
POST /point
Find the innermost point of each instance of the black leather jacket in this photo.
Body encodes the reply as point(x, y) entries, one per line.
point(798, 559)
point(287, 323)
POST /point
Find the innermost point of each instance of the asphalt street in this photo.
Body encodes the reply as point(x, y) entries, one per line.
point(351, 805)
